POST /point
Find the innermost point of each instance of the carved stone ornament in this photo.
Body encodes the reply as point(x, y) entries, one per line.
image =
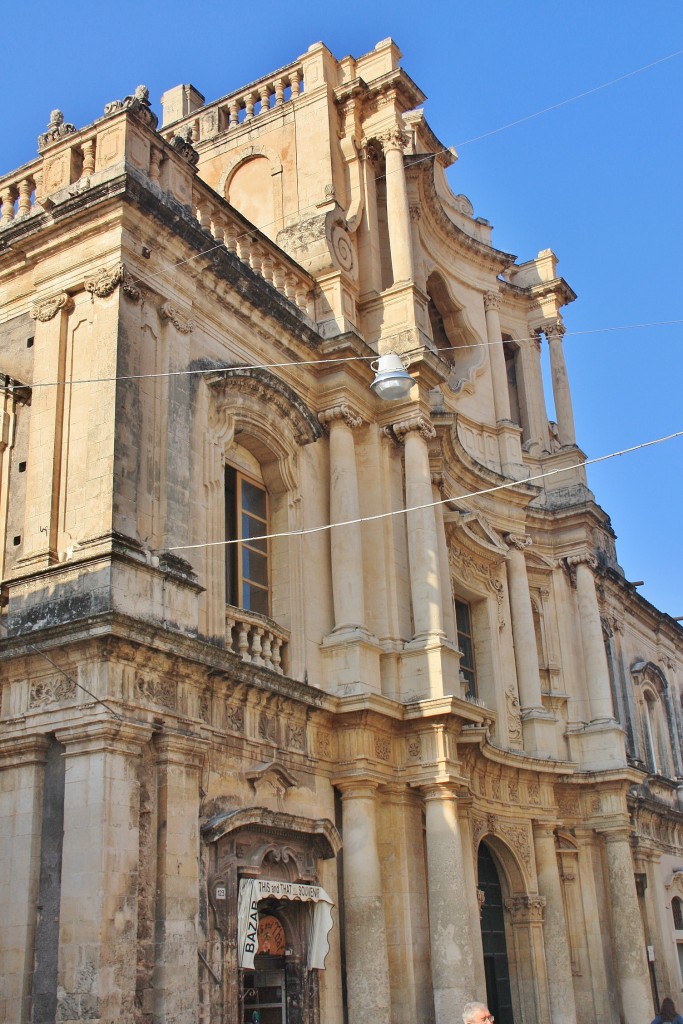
point(57, 129)
point(417, 423)
point(491, 300)
point(107, 280)
point(51, 691)
point(525, 909)
point(517, 542)
point(553, 330)
point(157, 691)
point(182, 324)
point(382, 748)
point(138, 104)
point(514, 718)
point(481, 900)
point(48, 309)
point(184, 148)
point(395, 138)
point(339, 412)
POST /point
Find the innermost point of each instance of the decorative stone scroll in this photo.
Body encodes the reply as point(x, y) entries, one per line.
point(106, 281)
point(182, 324)
point(48, 309)
point(514, 718)
point(138, 104)
point(491, 300)
point(57, 129)
point(417, 423)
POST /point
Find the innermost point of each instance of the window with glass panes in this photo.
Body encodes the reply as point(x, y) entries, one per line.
point(463, 620)
point(246, 564)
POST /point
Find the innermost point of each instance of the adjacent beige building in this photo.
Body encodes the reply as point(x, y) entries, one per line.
point(317, 707)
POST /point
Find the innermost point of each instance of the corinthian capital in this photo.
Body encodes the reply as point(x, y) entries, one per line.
point(336, 413)
point(394, 138)
point(492, 300)
point(517, 541)
point(419, 424)
point(553, 329)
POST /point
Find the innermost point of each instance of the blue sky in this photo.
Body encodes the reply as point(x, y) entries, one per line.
point(597, 180)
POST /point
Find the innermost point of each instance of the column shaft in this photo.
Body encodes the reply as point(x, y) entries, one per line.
point(447, 606)
point(556, 937)
point(629, 945)
point(423, 548)
point(501, 396)
point(398, 214)
point(453, 971)
point(594, 656)
point(532, 396)
point(558, 372)
point(367, 961)
point(523, 634)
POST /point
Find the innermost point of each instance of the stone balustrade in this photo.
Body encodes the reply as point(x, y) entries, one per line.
point(252, 247)
point(256, 639)
point(242, 107)
point(80, 160)
point(18, 193)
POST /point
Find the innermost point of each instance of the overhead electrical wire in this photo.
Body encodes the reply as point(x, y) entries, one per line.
point(326, 527)
point(201, 371)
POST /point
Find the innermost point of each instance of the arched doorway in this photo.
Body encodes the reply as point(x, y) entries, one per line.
point(496, 966)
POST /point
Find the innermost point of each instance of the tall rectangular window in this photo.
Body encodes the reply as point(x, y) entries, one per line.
point(463, 621)
point(246, 563)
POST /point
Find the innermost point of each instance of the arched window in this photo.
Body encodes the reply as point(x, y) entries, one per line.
point(677, 913)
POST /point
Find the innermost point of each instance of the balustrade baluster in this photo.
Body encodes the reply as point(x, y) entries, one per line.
point(234, 114)
point(256, 646)
point(243, 247)
point(249, 101)
point(267, 268)
point(265, 98)
point(279, 92)
point(279, 277)
point(231, 240)
point(301, 296)
point(295, 82)
point(25, 189)
point(243, 641)
point(276, 656)
point(7, 196)
point(267, 651)
point(290, 287)
point(88, 158)
point(256, 259)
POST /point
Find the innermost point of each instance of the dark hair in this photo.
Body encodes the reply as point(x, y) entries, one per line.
point(668, 1010)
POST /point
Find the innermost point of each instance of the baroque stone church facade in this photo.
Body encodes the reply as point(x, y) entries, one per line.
point(316, 707)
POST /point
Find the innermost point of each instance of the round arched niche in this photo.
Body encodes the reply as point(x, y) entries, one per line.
point(453, 335)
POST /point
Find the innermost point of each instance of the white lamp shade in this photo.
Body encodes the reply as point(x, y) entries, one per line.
point(392, 381)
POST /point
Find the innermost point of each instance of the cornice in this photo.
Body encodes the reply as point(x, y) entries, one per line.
point(492, 260)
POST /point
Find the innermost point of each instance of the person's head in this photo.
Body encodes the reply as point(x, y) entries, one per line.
point(667, 1010)
point(476, 1013)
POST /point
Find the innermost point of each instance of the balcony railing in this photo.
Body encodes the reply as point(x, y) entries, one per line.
point(256, 639)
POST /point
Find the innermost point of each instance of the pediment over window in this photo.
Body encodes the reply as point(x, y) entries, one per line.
point(262, 403)
point(472, 531)
point(319, 833)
